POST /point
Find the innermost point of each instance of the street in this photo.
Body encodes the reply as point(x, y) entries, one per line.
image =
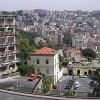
point(82, 90)
point(84, 87)
point(7, 96)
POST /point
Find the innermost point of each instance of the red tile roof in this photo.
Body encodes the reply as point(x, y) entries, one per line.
point(44, 51)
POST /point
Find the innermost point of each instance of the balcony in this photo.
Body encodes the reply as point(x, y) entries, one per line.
point(2, 54)
point(10, 34)
point(1, 21)
point(12, 52)
point(13, 61)
point(4, 62)
point(11, 43)
point(9, 23)
point(2, 45)
point(2, 49)
point(2, 34)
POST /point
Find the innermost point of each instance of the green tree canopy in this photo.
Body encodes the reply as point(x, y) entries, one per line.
point(47, 81)
point(24, 47)
point(88, 53)
point(25, 69)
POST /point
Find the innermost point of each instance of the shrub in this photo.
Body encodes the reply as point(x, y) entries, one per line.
point(69, 93)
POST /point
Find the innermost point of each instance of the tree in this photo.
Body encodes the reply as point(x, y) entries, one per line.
point(96, 77)
point(88, 53)
point(24, 47)
point(28, 35)
point(25, 69)
point(62, 62)
point(47, 82)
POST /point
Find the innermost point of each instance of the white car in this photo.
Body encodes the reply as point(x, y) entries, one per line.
point(82, 76)
point(76, 84)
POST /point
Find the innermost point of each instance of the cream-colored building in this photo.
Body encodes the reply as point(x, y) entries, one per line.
point(79, 65)
point(46, 60)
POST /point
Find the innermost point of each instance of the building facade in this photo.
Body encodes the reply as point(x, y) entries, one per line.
point(46, 61)
point(7, 44)
point(79, 65)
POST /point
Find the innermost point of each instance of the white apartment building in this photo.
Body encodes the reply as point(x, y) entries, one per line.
point(46, 60)
point(7, 44)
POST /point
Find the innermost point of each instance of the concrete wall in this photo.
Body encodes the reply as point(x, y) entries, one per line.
point(38, 87)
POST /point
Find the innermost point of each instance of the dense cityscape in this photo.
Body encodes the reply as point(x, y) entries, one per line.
point(50, 53)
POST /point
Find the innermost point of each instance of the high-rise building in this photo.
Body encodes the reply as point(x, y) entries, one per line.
point(7, 44)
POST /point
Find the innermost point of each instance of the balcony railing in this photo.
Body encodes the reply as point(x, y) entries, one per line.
point(10, 34)
point(4, 62)
point(13, 60)
point(2, 34)
point(2, 23)
point(9, 23)
point(12, 51)
point(11, 43)
point(2, 54)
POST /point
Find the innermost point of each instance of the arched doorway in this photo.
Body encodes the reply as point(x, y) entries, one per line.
point(85, 73)
point(78, 72)
point(89, 72)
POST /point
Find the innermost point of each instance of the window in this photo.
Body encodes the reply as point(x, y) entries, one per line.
point(2, 69)
point(38, 61)
point(47, 61)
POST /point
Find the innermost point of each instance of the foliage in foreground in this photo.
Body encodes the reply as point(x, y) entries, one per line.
point(69, 93)
point(47, 82)
point(96, 77)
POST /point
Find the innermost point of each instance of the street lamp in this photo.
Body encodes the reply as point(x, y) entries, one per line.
point(10, 70)
point(60, 86)
point(17, 84)
point(72, 73)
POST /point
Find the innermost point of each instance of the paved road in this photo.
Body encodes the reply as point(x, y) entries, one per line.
point(61, 85)
point(84, 87)
point(6, 96)
point(21, 84)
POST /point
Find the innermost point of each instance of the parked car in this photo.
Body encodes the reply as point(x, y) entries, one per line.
point(32, 77)
point(76, 84)
point(82, 76)
point(68, 87)
point(70, 82)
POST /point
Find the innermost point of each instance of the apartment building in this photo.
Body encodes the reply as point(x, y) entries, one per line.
point(54, 36)
point(7, 44)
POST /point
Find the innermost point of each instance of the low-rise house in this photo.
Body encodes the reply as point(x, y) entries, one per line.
point(46, 61)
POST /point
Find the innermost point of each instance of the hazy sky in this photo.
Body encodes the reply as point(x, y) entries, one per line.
point(50, 4)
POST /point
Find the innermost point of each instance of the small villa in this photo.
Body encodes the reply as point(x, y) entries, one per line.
point(46, 61)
